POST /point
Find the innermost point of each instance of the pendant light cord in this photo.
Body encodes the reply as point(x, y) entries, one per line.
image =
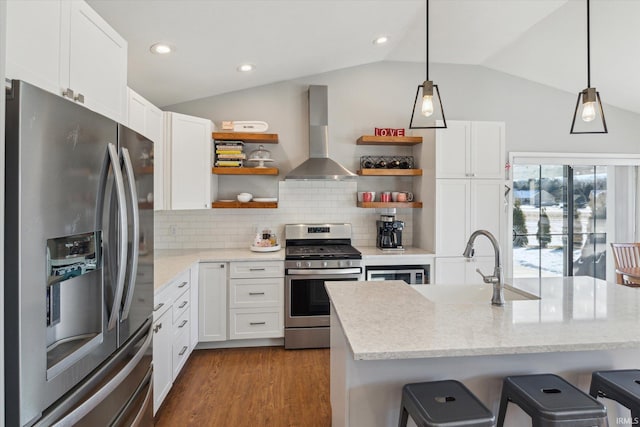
point(588, 47)
point(427, 29)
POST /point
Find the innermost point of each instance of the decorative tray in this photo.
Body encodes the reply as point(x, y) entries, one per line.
point(265, 248)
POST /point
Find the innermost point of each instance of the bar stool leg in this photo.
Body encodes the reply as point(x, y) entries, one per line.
point(404, 417)
point(504, 401)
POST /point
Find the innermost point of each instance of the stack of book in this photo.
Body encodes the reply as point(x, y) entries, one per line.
point(230, 154)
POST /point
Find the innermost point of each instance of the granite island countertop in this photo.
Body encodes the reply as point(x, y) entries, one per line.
point(392, 320)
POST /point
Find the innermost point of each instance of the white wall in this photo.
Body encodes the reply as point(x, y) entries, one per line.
point(538, 117)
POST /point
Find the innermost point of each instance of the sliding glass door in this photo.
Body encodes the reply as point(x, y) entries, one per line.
point(559, 220)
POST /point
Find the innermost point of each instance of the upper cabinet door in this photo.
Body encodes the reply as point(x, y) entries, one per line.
point(452, 150)
point(487, 150)
point(189, 140)
point(136, 111)
point(34, 31)
point(97, 62)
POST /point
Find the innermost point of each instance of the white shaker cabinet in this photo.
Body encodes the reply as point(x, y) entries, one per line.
point(466, 205)
point(65, 47)
point(162, 358)
point(212, 302)
point(146, 119)
point(470, 150)
point(461, 271)
point(188, 147)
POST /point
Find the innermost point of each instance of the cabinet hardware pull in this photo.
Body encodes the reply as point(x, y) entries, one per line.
point(257, 323)
point(79, 98)
point(68, 93)
point(157, 307)
point(182, 351)
point(221, 265)
point(184, 304)
point(184, 322)
point(156, 329)
point(256, 293)
point(182, 285)
point(257, 269)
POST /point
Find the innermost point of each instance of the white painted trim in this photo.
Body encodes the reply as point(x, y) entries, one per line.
point(577, 159)
point(3, 42)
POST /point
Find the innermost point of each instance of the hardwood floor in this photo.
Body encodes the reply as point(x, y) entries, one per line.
point(262, 386)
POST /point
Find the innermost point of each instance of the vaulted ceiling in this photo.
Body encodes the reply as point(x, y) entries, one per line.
point(539, 40)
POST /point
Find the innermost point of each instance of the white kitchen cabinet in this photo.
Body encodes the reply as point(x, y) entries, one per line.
point(466, 205)
point(460, 270)
point(162, 356)
point(212, 302)
point(470, 150)
point(188, 150)
point(65, 47)
point(256, 299)
point(172, 338)
point(146, 119)
point(193, 333)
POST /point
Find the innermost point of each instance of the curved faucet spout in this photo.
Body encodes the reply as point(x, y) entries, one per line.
point(497, 280)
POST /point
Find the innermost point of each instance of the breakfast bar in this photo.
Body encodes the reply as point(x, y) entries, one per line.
point(387, 334)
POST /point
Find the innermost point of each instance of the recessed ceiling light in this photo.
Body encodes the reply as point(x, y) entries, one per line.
point(160, 48)
point(380, 40)
point(245, 68)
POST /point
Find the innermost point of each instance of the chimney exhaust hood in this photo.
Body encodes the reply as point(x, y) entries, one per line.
point(319, 166)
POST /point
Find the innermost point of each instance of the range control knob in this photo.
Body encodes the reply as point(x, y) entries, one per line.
point(307, 263)
point(298, 264)
point(325, 263)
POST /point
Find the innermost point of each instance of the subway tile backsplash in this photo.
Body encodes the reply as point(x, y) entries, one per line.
point(299, 201)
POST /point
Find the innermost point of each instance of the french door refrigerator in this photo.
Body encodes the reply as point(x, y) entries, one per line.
point(78, 288)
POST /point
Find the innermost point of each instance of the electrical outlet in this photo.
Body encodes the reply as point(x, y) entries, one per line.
point(172, 230)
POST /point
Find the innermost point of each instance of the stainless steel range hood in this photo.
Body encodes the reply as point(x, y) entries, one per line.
point(319, 166)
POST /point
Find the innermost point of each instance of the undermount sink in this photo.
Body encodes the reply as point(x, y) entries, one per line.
point(466, 294)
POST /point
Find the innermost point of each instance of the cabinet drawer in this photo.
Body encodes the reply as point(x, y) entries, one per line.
point(252, 269)
point(182, 323)
point(246, 293)
point(180, 352)
point(255, 323)
point(181, 304)
point(162, 302)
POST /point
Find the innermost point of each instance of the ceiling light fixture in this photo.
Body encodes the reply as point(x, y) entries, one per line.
point(245, 68)
point(160, 48)
point(429, 111)
point(380, 40)
point(588, 116)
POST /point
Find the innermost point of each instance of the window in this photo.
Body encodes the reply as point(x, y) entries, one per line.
point(559, 220)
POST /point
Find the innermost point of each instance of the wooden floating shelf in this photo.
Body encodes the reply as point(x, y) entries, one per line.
point(262, 138)
point(245, 171)
point(145, 170)
point(389, 140)
point(145, 205)
point(389, 204)
point(390, 172)
point(244, 205)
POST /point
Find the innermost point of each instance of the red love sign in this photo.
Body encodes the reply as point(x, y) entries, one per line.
point(389, 132)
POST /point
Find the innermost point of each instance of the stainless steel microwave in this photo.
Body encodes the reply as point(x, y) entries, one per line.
point(412, 274)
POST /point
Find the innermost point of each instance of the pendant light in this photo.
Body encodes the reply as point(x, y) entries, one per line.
point(588, 116)
point(427, 106)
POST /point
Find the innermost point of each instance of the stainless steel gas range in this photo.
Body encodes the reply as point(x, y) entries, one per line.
point(315, 253)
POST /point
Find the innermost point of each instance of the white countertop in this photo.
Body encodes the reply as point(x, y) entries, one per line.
point(169, 263)
point(392, 320)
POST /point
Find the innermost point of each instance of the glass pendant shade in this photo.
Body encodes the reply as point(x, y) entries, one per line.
point(588, 116)
point(427, 108)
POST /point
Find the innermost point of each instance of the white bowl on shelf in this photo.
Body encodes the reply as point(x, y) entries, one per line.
point(245, 197)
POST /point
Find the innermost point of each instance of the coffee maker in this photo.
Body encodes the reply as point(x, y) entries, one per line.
point(389, 232)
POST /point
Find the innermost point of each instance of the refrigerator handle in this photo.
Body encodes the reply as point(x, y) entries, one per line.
point(122, 255)
point(91, 403)
point(135, 240)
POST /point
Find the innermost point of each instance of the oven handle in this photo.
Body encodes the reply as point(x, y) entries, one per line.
point(324, 271)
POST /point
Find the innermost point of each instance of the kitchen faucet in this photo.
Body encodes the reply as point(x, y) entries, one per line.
point(497, 280)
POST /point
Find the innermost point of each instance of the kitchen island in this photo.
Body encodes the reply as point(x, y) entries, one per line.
point(386, 334)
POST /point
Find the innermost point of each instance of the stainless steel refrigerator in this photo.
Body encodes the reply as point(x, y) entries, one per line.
point(78, 265)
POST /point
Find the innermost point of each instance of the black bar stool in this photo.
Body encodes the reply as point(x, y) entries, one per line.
point(443, 404)
point(623, 386)
point(551, 401)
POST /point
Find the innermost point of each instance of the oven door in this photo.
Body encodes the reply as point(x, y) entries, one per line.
point(306, 299)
